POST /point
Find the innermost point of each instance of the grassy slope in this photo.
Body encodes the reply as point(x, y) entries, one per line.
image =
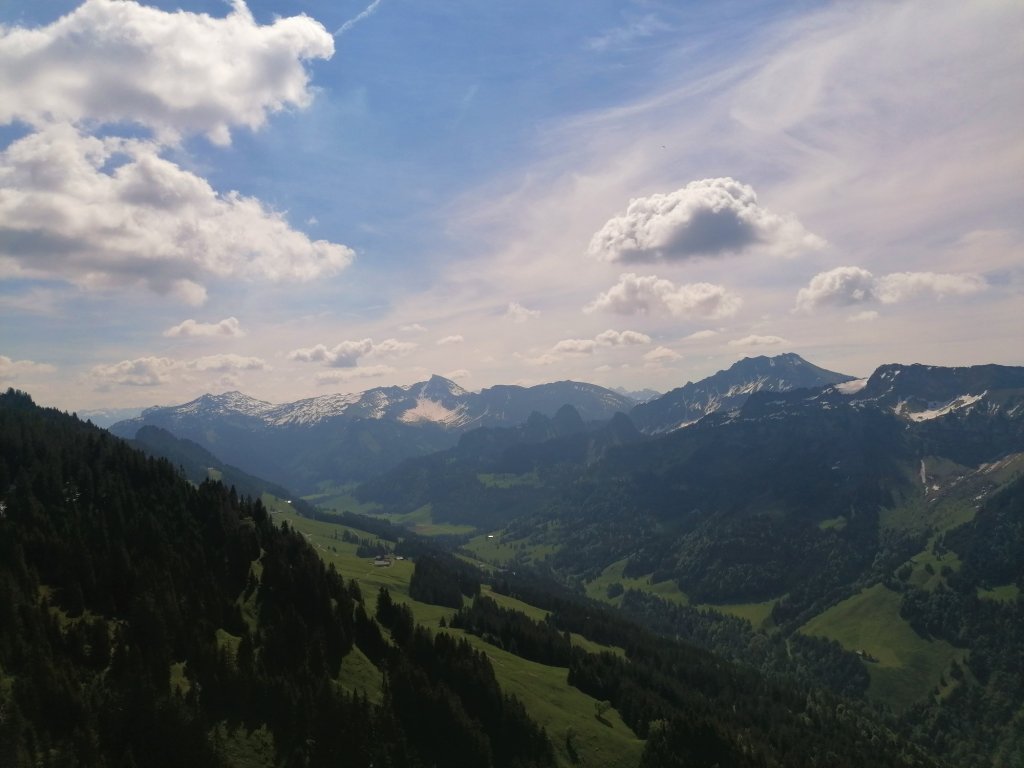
point(542, 689)
point(908, 666)
point(598, 588)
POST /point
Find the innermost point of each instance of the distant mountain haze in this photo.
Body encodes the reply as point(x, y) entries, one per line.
point(336, 439)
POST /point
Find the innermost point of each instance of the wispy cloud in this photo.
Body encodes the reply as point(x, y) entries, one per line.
point(352, 374)
point(755, 340)
point(364, 14)
point(633, 31)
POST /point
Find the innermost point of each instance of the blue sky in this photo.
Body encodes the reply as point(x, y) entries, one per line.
point(298, 198)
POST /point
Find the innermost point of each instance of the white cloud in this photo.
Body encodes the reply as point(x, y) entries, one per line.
point(574, 347)
point(229, 326)
point(660, 355)
point(649, 294)
point(227, 362)
point(609, 338)
point(458, 374)
point(413, 328)
point(364, 14)
point(701, 335)
point(348, 353)
point(178, 74)
point(12, 369)
point(847, 286)
point(629, 34)
point(363, 372)
point(392, 348)
point(758, 341)
point(112, 212)
point(455, 339)
point(153, 371)
point(141, 372)
point(612, 338)
point(841, 286)
point(905, 285)
point(705, 218)
point(520, 314)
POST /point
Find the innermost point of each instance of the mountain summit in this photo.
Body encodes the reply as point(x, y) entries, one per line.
point(729, 389)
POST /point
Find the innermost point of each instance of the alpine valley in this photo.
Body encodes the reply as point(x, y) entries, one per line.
point(778, 565)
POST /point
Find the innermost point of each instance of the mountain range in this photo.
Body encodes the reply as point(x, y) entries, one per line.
point(336, 439)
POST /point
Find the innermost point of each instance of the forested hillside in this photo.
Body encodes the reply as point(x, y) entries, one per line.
point(143, 618)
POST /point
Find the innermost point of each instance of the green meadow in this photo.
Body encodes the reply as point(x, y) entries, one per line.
point(567, 714)
point(908, 666)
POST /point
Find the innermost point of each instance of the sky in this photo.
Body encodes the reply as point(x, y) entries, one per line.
point(293, 198)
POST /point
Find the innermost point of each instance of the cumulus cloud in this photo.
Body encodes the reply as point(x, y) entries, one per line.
point(758, 341)
point(649, 294)
point(413, 328)
point(455, 339)
point(574, 347)
point(609, 338)
point(141, 372)
point(458, 374)
point(849, 286)
point(229, 326)
point(612, 338)
point(104, 212)
point(710, 217)
point(153, 371)
point(348, 353)
point(363, 372)
point(177, 74)
point(12, 369)
point(517, 313)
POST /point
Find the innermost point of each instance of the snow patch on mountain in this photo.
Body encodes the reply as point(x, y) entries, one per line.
point(933, 413)
point(312, 410)
point(229, 402)
point(431, 410)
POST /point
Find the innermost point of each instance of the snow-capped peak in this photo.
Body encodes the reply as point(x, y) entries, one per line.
point(229, 402)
